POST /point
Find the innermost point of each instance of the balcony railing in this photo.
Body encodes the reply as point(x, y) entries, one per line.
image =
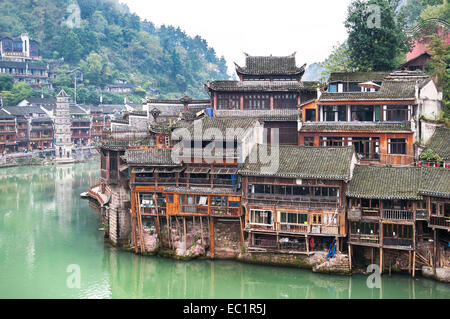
point(304, 202)
point(260, 226)
point(370, 212)
point(404, 242)
point(354, 214)
point(440, 221)
point(398, 214)
point(421, 214)
point(225, 211)
point(364, 238)
point(293, 228)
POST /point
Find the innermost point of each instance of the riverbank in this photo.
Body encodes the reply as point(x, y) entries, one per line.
point(41, 158)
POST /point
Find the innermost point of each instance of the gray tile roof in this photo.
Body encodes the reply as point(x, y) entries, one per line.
point(274, 65)
point(274, 115)
point(357, 126)
point(149, 157)
point(357, 76)
point(390, 89)
point(223, 125)
point(302, 162)
point(381, 182)
point(440, 142)
point(435, 181)
point(255, 86)
point(200, 190)
point(23, 110)
point(5, 116)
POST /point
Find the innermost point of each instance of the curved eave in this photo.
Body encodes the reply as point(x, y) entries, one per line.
point(287, 175)
point(354, 195)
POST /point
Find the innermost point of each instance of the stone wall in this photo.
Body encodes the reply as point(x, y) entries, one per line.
point(227, 238)
point(119, 217)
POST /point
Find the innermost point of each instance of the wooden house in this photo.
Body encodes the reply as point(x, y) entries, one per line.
point(380, 123)
point(7, 132)
point(296, 202)
point(269, 89)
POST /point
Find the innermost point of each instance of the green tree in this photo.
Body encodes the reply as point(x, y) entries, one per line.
point(6, 82)
point(338, 61)
point(375, 39)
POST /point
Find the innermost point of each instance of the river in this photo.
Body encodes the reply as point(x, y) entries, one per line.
point(48, 234)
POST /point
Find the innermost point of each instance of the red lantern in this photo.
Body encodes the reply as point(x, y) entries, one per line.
point(429, 164)
point(420, 164)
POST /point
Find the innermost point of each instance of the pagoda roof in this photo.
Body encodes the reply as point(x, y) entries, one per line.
point(270, 65)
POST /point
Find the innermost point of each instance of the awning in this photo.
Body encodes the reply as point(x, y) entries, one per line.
point(169, 169)
point(123, 167)
point(197, 170)
point(143, 170)
point(224, 170)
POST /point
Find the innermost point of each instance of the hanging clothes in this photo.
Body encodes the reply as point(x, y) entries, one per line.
point(311, 243)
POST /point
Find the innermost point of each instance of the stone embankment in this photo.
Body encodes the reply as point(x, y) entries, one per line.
point(441, 274)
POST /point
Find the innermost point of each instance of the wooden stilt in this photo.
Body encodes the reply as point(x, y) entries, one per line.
point(409, 262)
point(169, 233)
point(133, 214)
point(307, 244)
point(381, 260)
point(211, 236)
point(201, 229)
point(350, 256)
point(414, 264)
point(241, 232)
point(184, 232)
point(434, 249)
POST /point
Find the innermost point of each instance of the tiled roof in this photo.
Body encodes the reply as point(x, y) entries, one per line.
point(22, 110)
point(390, 89)
point(357, 76)
point(261, 86)
point(22, 65)
point(149, 157)
point(200, 190)
point(43, 119)
point(357, 126)
point(209, 125)
point(5, 116)
point(381, 182)
point(39, 101)
point(273, 115)
point(435, 181)
point(301, 162)
point(440, 142)
point(274, 65)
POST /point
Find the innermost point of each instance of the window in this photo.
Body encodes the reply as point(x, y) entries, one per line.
point(258, 216)
point(293, 218)
point(310, 115)
point(367, 147)
point(397, 113)
point(331, 141)
point(170, 198)
point(308, 141)
point(362, 113)
point(334, 113)
point(285, 101)
point(397, 146)
point(228, 101)
point(257, 101)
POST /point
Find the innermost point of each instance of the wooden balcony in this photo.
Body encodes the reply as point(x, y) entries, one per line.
point(440, 222)
point(293, 228)
point(193, 210)
point(301, 202)
point(398, 214)
point(354, 214)
point(260, 227)
point(399, 242)
point(364, 239)
point(225, 211)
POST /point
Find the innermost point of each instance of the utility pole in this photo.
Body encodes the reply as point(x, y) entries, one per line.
point(74, 71)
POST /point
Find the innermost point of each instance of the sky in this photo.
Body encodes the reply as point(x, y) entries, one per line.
point(258, 27)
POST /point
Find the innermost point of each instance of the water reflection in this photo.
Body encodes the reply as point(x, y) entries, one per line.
point(45, 226)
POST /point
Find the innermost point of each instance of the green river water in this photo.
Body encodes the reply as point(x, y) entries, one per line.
point(45, 227)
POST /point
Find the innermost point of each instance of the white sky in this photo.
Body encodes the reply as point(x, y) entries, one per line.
point(258, 27)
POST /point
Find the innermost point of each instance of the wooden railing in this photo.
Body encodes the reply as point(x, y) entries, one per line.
point(398, 214)
point(421, 214)
point(225, 211)
point(354, 213)
point(364, 238)
point(260, 227)
point(293, 228)
point(440, 221)
point(305, 202)
point(404, 242)
point(370, 212)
